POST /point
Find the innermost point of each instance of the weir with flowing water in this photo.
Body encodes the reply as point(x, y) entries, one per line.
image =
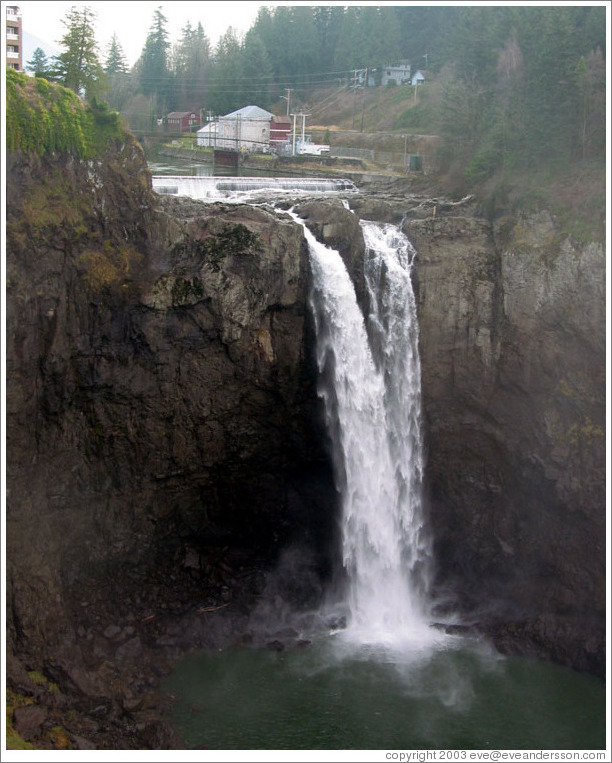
point(210, 188)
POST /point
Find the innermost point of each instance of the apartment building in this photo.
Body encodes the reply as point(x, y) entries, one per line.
point(14, 38)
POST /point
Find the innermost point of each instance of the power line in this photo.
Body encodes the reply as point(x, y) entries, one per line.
point(264, 79)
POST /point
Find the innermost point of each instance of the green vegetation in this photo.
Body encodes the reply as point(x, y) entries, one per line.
point(42, 117)
point(186, 290)
point(522, 88)
point(109, 268)
point(40, 679)
point(506, 87)
point(54, 738)
point(226, 240)
point(13, 740)
point(585, 433)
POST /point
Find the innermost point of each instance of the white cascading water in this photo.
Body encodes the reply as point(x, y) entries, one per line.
point(370, 383)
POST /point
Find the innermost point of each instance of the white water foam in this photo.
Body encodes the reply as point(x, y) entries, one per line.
point(370, 384)
point(241, 189)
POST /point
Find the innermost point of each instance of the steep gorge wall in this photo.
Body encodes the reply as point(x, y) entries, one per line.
point(162, 415)
point(512, 322)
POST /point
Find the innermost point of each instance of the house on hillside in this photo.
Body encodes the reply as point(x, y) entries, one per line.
point(247, 129)
point(182, 121)
point(398, 72)
point(419, 77)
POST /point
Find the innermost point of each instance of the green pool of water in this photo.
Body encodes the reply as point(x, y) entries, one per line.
point(331, 695)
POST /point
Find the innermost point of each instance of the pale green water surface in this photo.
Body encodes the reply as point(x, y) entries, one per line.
point(330, 695)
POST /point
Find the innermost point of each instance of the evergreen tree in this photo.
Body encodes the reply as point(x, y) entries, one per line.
point(115, 58)
point(119, 81)
point(277, 44)
point(78, 67)
point(380, 36)
point(350, 41)
point(225, 93)
point(258, 83)
point(510, 101)
point(302, 44)
point(425, 32)
point(39, 64)
point(590, 77)
point(152, 66)
point(328, 23)
point(191, 61)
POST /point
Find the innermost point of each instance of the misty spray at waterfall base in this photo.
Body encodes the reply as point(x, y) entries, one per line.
point(367, 669)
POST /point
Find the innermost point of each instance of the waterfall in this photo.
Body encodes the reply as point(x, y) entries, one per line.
point(370, 384)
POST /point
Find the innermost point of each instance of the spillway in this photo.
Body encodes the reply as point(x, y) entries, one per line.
point(211, 188)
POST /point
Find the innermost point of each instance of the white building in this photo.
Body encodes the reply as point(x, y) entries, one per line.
point(418, 78)
point(399, 72)
point(314, 149)
point(247, 129)
point(14, 41)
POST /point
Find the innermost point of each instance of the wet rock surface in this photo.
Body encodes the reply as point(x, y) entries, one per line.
point(511, 316)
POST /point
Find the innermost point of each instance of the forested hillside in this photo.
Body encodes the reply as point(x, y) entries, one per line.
point(509, 87)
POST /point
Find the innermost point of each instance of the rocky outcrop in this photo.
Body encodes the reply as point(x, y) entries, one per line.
point(163, 434)
point(512, 326)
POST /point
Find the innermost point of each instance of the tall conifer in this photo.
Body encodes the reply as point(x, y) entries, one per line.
point(78, 67)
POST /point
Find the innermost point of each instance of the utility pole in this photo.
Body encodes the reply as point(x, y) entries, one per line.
point(293, 152)
point(365, 84)
point(304, 126)
point(288, 91)
point(354, 97)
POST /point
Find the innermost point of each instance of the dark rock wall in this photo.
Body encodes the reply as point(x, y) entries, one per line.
point(512, 322)
point(161, 392)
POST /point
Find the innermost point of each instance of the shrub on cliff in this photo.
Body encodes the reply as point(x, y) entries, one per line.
point(42, 117)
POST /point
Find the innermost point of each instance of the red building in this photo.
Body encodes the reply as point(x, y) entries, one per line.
point(280, 132)
point(182, 121)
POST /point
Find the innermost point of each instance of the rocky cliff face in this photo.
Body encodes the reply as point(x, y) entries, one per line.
point(163, 435)
point(164, 438)
point(512, 321)
point(512, 342)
